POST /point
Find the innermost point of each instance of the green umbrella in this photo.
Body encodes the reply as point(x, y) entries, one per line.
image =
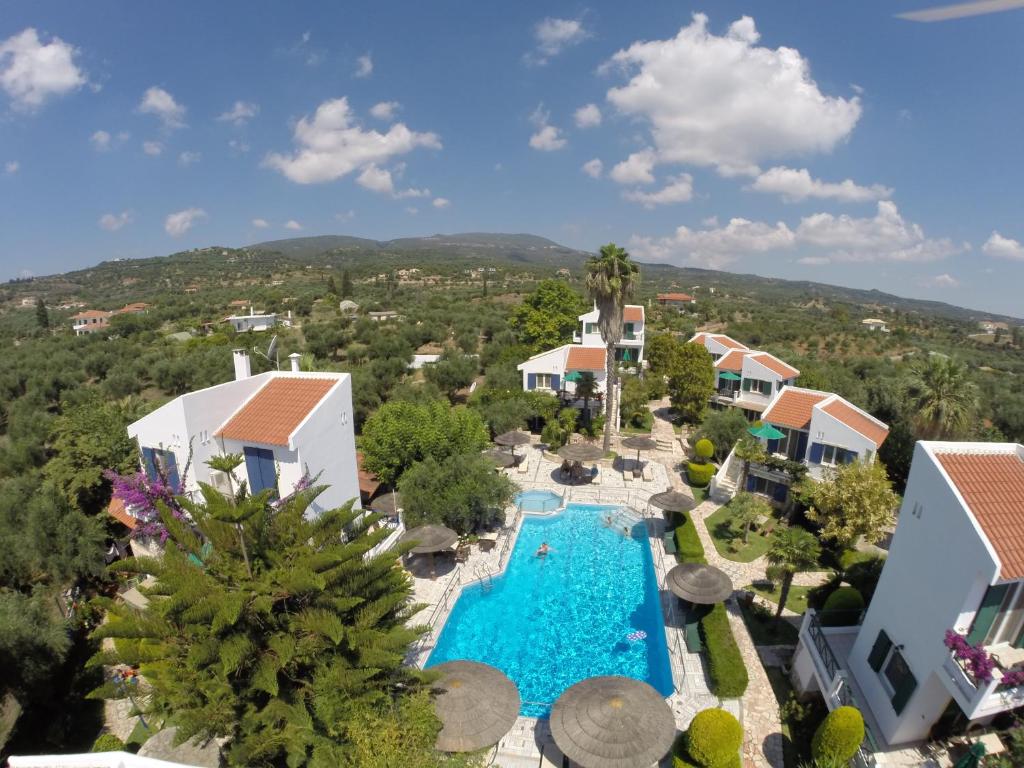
point(973, 757)
point(729, 376)
point(573, 376)
point(767, 432)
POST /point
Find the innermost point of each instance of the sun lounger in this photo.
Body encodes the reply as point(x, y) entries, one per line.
point(670, 542)
point(524, 466)
point(648, 473)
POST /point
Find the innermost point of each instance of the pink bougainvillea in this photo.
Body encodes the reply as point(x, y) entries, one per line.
point(141, 495)
point(975, 658)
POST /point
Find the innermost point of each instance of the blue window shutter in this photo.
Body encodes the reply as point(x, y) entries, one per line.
point(751, 483)
point(773, 446)
point(171, 465)
point(556, 380)
point(801, 446)
point(259, 466)
point(779, 492)
point(817, 451)
point(531, 381)
point(149, 463)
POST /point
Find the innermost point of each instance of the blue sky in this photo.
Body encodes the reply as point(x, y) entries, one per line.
point(823, 141)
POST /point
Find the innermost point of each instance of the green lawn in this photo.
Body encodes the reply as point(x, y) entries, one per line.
point(796, 600)
point(765, 629)
point(729, 540)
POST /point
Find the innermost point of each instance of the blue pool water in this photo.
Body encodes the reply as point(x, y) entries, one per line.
point(538, 501)
point(550, 622)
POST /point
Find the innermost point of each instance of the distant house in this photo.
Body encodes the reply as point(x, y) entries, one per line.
point(386, 314)
point(955, 565)
point(564, 273)
point(348, 307)
point(135, 308)
point(288, 425)
point(678, 300)
point(28, 301)
point(90, 321)
point(240, 303)
point(874, 324)
point(717, 344)
point(749, 379)
point(254, 321)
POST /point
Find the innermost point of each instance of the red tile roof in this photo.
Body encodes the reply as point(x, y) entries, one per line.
point(772, 363)
point(633, 313)
point(272, 414)
point(992, 485)
point(792, 408)
point(585, 359)
point(698, 338)
point(728, 341)
point(731, 361)
point(856, 420)
point(117, 510)
point(91, 313)
point(674, 297)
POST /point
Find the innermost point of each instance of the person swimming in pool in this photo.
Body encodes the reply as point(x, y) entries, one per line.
point(543, 549)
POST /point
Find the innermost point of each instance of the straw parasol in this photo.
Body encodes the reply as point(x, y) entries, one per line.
point(672, 501)
point(477, 705)
point(581, 452)
point(429, 539)
point(639, 443)
point(501, 458)
point(699, 583)
point(612, 722)
point(512, 439)
point(388, 504)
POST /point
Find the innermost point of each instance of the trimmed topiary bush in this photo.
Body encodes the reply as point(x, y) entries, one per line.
point(726, 669)
point(714, 738)
point(107, 742)
point(699, 474)
point(688, 546)
point(842, 608)
point(838, 737)
point(704, 449)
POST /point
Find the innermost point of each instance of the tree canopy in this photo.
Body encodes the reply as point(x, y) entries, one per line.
point(549, 315)
point(691, 382)
point(855, 500)
point(462, 492)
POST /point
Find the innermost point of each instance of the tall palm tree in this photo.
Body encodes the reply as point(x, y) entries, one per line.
point(586, 388)
point(942, 397)
point(793, 549)
point(611, 280)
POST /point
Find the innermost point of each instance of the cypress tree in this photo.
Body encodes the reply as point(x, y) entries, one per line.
point(42, 316)
point(346, 285)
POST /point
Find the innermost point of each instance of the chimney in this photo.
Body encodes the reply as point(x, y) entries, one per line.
point(243, 367)
point(252, 310)
point(294, 358)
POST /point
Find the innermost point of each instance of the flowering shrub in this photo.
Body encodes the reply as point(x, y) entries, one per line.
point(975, 658)
point(1013, 678)
point(141, 494)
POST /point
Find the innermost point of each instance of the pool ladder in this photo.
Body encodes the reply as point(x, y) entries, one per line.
point(484, 577)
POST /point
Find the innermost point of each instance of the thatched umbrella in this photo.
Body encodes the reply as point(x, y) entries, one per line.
point(672, 501)
point(512, 439)
point(388, 504)
point(477, 705)
point(501, 458)
point(429, 539)
point(612, 722)
point(699, 583)
point(639, 443)
point(581, 452)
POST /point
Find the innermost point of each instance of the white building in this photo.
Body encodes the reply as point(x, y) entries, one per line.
point(288, 425)
point(749, 380)
point(255, 321)
point(821, 430)
point(874, 324)
point(90, 321)
point(630, 348)
point(956, 563)
point(717, 344)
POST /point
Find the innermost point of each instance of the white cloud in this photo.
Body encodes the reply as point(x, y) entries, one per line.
point(189, 157)
point(587, 116)
point(100, 141)
point(240, 113)
point(114, 221)
point(944, 280)
point(795, 185)
point(293, 225)
point(11, 167)
point(237, 146)
point(31, 72)
point(331, 145)
point(364, 66)
point(725, 102)
point(385, 110)
point(717, 246)
point(553, 36)
point(441, 202)
point(412, 210)
point(156, 101)
point(547, 139)
point(382, 181)
point(345, 215)
point(679, 189)
point(177, 224)
point(260, 223)
point(152, 148)
point(635, 169)
point(593, 168)
point(1003, 247)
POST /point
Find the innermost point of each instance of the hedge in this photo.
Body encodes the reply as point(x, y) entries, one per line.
point(107, 742)
point(838, 737)
point(726, 669)
point(704, 449)
point(688, 546)
point(699, 474)
point(842, 608)
point(713, 739)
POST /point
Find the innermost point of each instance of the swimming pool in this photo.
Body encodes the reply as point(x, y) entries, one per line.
point(550, 622)
point(538, 501)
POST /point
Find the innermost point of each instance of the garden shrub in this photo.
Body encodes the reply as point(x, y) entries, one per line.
point(704, 449)
point(838, 737)
point(107, 742)
point(714, 738)
point(842, 608)
point(725, 663)
point(864, 575)
point(688, 546)
point(699, 474)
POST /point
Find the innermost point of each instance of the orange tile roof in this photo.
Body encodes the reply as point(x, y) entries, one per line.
point(792, 408)
point(633, 313)
point(728, 341)
point(772, 363)
point(698, 338)
point(731, 361)
point(674, 297)
point(585, 359)
point(272, 414)
point(90, 313)
point(854, 419)
point(992, 485)
point(116, 509)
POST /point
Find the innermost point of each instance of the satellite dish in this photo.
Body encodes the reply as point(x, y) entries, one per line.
point(271, 353)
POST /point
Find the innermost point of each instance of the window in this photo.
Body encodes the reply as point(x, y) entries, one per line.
point(590, 328)
point(543, 381)
point(895, 674)
point(828, 456)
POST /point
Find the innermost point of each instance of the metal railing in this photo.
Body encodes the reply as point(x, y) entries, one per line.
point(825, 653)
point(440, 607)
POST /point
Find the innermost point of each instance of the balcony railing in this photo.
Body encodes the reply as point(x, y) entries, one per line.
point(980, 698)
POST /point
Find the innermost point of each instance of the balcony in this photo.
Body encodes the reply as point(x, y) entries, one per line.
point(632, 338)
point(980, 698)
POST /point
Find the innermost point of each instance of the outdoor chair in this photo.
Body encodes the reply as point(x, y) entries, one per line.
point(595, 476)
point(648, 472)
point(462, 553)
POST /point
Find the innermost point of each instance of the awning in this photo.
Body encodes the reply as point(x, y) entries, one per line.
point(766, 432)
point(729, 376)
point(573, 376)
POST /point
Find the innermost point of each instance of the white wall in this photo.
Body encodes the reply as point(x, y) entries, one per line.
point(326, 445)
point(827, 429)
point(552, 361)
point(755, 370)
point(938, 567)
